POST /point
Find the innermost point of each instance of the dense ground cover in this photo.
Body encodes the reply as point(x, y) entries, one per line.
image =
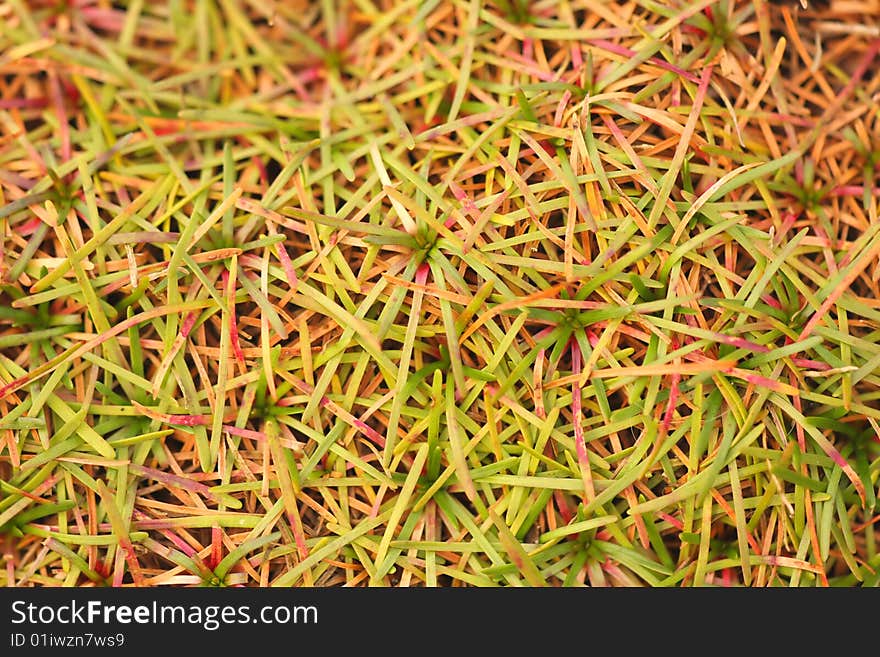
point(439, 293)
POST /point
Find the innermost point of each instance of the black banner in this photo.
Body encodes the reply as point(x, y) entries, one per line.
point(397, 621)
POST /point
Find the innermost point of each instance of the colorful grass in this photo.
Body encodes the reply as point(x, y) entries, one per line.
point(468, 293)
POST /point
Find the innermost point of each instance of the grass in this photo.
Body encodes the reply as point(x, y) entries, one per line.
point(464, 293)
